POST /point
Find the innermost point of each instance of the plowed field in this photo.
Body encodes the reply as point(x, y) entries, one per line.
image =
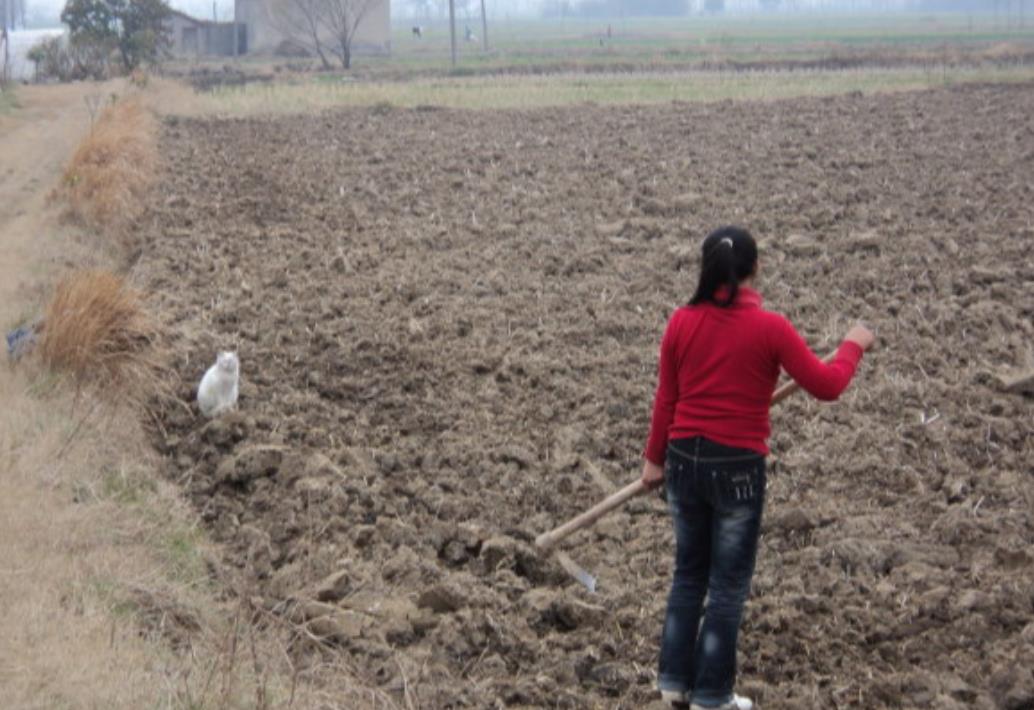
point(448, 326)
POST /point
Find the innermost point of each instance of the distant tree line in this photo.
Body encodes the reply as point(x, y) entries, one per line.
point(1011, 12)
point(429, 9)
point(1004, 7)
point(616, 8)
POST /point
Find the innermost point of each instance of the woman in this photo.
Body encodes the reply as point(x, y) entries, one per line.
point(720, 358)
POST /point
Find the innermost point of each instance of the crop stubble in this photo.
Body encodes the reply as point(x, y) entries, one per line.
point(445, 318)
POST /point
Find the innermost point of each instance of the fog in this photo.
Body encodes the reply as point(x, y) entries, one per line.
point(501, 9)
point(45, 13)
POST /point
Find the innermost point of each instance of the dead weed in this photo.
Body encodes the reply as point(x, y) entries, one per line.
point(97, 330)
point(113, 167)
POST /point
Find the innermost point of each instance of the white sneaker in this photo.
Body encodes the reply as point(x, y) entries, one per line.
point(738, 702)
point(675, 698)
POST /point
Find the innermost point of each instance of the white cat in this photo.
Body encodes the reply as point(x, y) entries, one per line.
point(217, 392)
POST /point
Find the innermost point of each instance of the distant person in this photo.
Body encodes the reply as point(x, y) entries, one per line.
point(418, 31)
point(469, 35)
point(719, 362)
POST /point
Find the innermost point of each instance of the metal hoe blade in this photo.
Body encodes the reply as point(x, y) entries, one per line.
point(576, 571)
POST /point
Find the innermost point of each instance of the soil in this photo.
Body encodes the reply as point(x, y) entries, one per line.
point(448, 324)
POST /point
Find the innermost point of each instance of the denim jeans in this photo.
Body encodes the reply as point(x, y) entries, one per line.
point(716, 494)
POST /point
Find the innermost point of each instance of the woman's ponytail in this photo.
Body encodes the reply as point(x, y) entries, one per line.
point(729, 256)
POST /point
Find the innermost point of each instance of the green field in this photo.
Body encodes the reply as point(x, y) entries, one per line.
point(540, 63)
point(691, 40)
point(308, 94)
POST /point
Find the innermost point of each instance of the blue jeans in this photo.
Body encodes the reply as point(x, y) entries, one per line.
point(716, 494)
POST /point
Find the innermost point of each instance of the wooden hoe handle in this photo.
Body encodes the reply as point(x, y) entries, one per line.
point(548, 539)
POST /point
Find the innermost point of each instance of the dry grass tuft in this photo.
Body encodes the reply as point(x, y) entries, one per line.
point(97, 330)
point(110, 172)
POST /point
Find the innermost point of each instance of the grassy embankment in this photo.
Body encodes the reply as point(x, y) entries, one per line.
point(113, 596)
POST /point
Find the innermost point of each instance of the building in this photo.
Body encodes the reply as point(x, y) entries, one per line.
point(192, 37)
point(266, 29)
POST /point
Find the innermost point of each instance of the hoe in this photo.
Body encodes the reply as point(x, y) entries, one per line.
point(548, 540)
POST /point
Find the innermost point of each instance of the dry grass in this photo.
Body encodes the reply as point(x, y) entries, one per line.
point(108, 600)
point(97, 329)
point(111, 171)
point(317, 93)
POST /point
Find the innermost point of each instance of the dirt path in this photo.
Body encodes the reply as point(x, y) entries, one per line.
point(61, 647)
point(35, 141)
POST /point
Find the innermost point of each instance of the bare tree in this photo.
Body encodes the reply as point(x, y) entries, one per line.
point(300, 21)
point(342, 20)
point(326, 27)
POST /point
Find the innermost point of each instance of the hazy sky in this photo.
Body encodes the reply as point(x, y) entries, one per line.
point(224, 8)
point(404, 9)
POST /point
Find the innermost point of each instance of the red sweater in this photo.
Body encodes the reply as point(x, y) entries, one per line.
point(719, 367)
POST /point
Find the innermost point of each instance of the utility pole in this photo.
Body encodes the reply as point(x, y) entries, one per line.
point(452, 30)
point(4, 40)
point(484, 27)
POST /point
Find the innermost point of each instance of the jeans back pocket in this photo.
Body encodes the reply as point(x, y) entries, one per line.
point(742, 485)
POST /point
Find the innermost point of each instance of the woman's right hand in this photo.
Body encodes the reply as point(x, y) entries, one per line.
point(653, 475)
point(861, 336)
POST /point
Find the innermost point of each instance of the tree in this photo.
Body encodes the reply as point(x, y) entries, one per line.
point(51, 59)
point(300, 21)
point(342, 19)
point(323, 26)
point(138, 29)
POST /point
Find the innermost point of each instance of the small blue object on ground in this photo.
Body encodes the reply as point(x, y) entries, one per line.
point(20, 341)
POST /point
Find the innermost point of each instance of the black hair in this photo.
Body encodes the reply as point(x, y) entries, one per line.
point(730, 255)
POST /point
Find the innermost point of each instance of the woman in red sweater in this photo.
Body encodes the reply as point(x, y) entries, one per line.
point(720, 358)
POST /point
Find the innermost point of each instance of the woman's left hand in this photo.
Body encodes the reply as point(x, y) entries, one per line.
point(653, 475)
